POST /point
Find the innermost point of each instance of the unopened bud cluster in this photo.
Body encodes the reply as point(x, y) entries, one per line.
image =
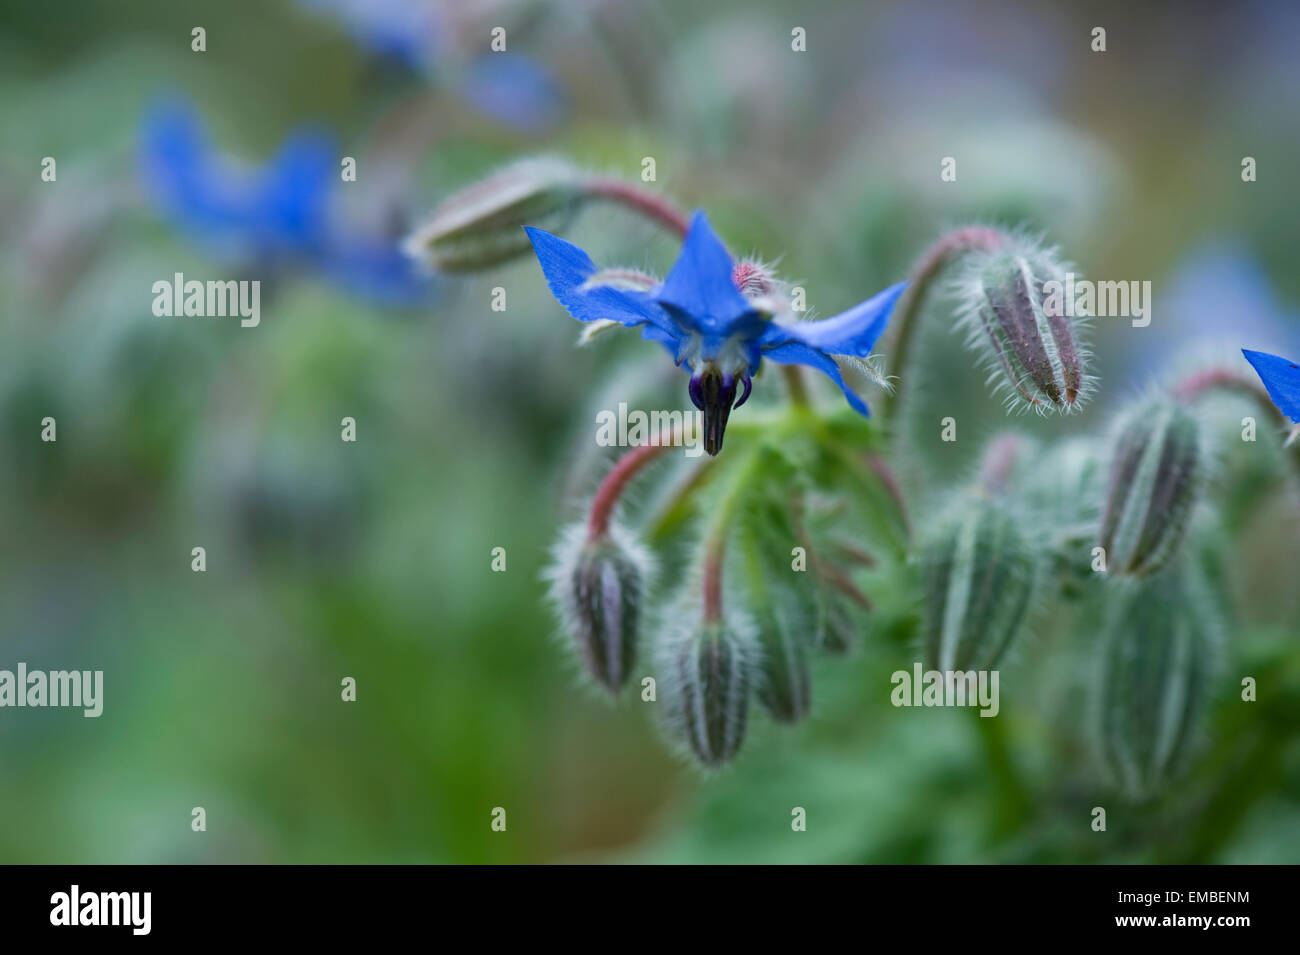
point(711, 663)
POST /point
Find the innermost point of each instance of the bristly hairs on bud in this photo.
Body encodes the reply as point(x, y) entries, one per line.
point(482, 225)
point(707, 671)
point(1157, 472)
point(601, 573)
point(1033, 351)
point(979, 582)
point(598, 586)
point(757, 280)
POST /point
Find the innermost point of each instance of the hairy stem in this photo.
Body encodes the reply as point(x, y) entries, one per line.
point(713, 577)
point(1225, 380)
point(927, 269)
point(649, 204)
point(715, 547)
point(616, 481)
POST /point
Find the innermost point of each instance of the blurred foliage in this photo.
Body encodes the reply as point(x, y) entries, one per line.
point(372, 560)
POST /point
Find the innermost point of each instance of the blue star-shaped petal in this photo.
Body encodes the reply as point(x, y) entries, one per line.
point(1282, 379)
point(700, 315)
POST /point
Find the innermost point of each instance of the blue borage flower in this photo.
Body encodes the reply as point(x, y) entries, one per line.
point(1282, 379)
point(284, 213)
point(280, 209)
point(700, 315)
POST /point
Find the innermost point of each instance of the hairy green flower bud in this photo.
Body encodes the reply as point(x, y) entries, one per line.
point(1016, 317)
point(1154, 679)
point(482, 226)
point(978, 581)
point(1155, 479)
point(598, 587)
point(709, 672)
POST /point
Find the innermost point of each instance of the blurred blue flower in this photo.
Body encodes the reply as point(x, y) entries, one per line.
point(514, 90)
point(404, 30)
point(1222, 281)
point(699, 314)
point(1281, 377)
point(510, 88)
point(283, 214)
point(1217, 295)
point(377, 270)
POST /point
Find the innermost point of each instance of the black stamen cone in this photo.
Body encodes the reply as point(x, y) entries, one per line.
point(713, 393)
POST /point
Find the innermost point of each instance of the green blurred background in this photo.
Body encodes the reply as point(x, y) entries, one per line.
point(372, 560)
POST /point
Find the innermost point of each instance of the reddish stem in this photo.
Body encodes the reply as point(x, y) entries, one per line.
point(713, 578)
point(643, 201)
point(615, 482)
point(927, 268)
point(1200, 383)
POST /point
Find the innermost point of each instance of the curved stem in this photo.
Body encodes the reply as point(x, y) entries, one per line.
point(642, 201)
point(1201, 383)
point(716, 547)
point(713, 577)
point(1197, 384)
point(928, 268)
point(616, 481)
